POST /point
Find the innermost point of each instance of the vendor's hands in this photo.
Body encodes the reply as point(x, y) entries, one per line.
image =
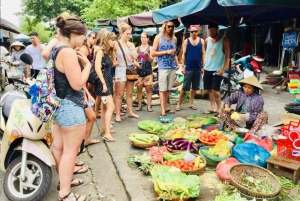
point(83, 59)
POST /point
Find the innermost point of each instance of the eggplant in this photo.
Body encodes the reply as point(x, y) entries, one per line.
point(184, 147)
point(183, 144)
point(194, 146)
point(176, 147)
point(189, 146)
point(177, 139)
point(178, 142)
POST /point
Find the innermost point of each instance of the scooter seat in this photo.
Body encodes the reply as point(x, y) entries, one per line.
point(8, 101)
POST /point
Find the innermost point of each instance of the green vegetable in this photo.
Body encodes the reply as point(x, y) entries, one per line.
point(143, 160)
point(170, 183)
point(174, 157)
point(287, 186)
point(224, 196)
point(208, 120)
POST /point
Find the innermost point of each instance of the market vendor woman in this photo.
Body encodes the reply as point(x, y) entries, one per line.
point(249, 106)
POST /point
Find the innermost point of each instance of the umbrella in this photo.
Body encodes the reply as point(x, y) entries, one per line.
point(229, 12)
point(106, 22)
point(138, 20)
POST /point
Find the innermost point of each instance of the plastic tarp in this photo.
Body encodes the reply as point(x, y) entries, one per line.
point(229, 12)
point(138, 20)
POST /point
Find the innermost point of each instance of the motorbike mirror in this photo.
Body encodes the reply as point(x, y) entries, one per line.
point(26, 58)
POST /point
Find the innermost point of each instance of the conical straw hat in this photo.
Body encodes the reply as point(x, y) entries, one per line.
point(252, 80)
point(287, 117)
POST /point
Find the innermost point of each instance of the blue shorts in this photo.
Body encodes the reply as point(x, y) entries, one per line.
point(69, 114)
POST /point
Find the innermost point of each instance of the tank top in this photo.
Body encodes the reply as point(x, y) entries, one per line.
point(61, 82)
point(146, 64)
point(193, 57)
point(215, 57)
point(167, 61)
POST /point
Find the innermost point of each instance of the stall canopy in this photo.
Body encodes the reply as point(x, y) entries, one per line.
point(229, 12)
point(138, 20)
point(106, 22)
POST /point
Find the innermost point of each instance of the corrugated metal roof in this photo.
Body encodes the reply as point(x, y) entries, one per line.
point(4, 24)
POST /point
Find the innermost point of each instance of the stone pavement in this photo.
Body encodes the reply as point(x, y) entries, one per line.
point(110, 178)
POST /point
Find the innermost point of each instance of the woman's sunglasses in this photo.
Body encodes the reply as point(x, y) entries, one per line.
point(194, 31)
point(170, 26)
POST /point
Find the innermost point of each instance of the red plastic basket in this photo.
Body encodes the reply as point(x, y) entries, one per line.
point(286, 128)
point(287, 149)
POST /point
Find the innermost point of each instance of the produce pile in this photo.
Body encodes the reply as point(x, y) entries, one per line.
point(143, 138)
point(156, 127)
point(188, 134)
point(170, 183)
point(212, 137)
point(180, 144)
point(257, 185)
point(183, 162)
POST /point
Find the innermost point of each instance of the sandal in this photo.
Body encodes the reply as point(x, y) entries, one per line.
point(108, 138)
point(149, 109)
point(170, 111)
point(138, 108)
point(79, 163)
point(70, 196)
point(193, 107)
point(72, 185)
point(81, 170)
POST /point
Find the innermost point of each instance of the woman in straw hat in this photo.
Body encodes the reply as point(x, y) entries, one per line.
point(17, 49)
point(249, 106)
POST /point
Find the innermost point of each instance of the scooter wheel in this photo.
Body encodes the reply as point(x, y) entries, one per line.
point(38, 177)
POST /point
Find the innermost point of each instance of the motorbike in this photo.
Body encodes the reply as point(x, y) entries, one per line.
point(252, 63)
point(236, 75)
point(26, 159)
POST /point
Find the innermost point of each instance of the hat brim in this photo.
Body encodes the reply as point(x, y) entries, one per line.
point(287, 117)
point(252, 80)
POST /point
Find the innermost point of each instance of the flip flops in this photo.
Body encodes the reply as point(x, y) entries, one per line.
point(108, 138)
point(210, 112)
point(81, 170)
point(92, 142)
point(170, 111)
point(193, 107)
point(80, 182)
point(177, 109)
point(79, 163)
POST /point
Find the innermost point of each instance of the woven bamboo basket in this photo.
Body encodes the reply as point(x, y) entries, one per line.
point(177, 199)
point(144, 145)
point(238, 171)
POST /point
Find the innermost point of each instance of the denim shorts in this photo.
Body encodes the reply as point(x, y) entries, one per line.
point(69, 114)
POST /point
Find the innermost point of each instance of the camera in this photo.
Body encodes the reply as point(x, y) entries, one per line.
point(104, 100)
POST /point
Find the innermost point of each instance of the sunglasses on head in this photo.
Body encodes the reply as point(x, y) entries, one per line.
point(170, 26)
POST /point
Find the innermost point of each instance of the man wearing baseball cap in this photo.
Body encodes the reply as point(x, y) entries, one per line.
point(193, 58)
point(216, 63)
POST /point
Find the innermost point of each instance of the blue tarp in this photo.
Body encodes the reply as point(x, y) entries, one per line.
point(229, 12)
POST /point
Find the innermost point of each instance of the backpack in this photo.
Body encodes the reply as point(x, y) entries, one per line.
point(93, 77)
point(44, 101)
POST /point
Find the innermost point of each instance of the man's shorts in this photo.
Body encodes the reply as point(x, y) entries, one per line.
point(145, 81)
point(166, 79)
point(69, 114)
point(212, 81)
point(191, 78)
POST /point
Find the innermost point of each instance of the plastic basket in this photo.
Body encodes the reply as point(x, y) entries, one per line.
point(286, 128)
point(293, 76)
point(206, 127)
point(210, 156)
point(295, 91)
point(293, 85)
point(165, 119)
point(290, 147)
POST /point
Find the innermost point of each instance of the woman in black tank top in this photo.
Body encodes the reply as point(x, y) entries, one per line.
point(145, 60)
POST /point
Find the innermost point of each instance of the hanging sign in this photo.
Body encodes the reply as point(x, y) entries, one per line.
point(290, 39)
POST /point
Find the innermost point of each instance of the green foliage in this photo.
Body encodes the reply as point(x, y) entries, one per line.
point(113, 9)
point(27, 26)
point(46, 10)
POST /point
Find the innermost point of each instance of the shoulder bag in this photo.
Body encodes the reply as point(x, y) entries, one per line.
point(131, 74)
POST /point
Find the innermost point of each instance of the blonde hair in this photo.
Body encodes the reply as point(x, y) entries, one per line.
point(164, 27)
point(104, 45)
point(123, 27)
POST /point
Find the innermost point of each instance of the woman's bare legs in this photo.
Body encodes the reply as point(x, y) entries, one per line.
point(139, 94)
point(129, 101)
point(71, 140)
point(149, 95)
point(91, 117)
point(108, 110)
point(97, 105)
point(120, 87)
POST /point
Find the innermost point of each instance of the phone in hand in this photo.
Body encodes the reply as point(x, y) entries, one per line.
point(104, 100)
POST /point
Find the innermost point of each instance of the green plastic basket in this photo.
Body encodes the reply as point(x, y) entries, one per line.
point(210, 156)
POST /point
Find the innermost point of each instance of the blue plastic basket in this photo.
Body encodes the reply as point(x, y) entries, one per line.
point(165, 119)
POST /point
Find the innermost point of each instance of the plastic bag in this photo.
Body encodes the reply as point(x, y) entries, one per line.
point(251, 153)
point(266, 143)
point(223, 168)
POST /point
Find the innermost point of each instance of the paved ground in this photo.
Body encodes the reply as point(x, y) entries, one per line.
point(111, 179)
